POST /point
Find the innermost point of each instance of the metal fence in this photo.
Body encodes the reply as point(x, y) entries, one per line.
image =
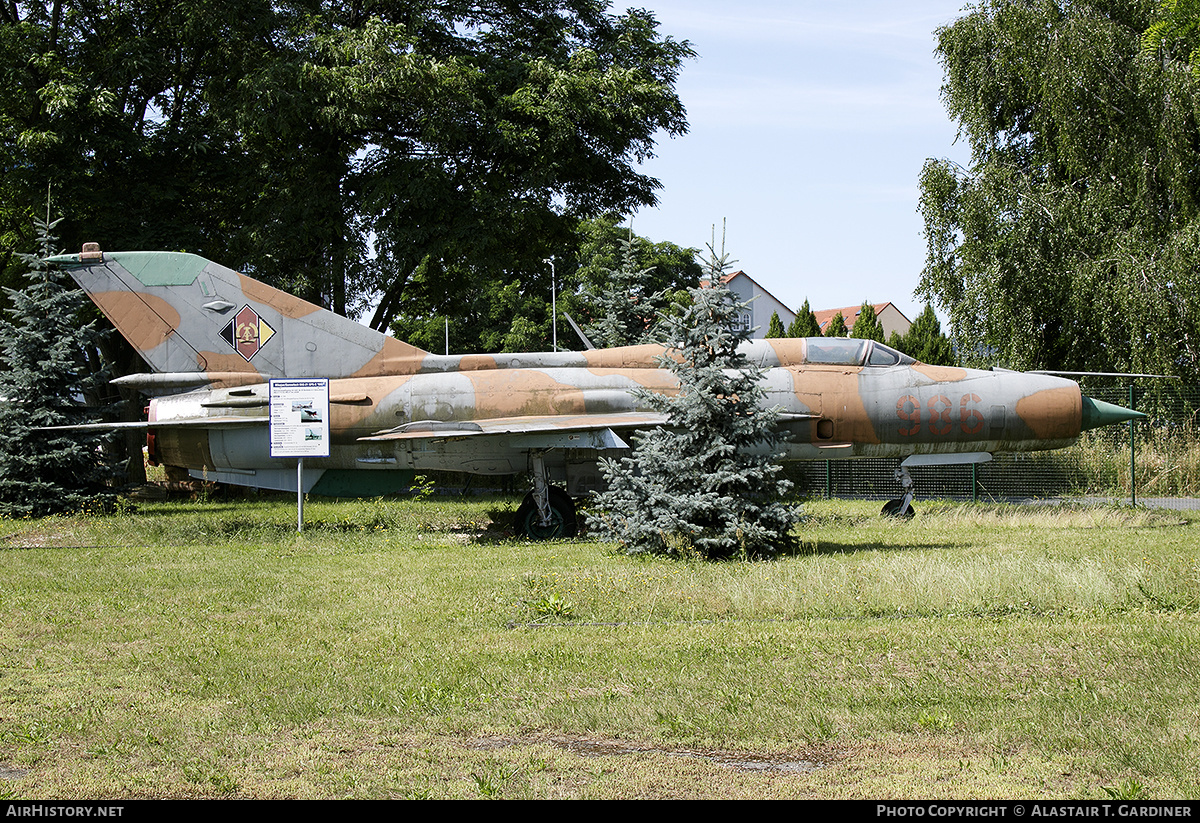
point(1154, 462)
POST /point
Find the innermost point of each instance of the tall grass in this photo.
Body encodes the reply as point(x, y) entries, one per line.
point(1166, 463)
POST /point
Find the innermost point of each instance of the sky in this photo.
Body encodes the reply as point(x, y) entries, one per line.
point(809, 125)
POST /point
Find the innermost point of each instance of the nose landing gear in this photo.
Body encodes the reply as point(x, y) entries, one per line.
point(903, 506)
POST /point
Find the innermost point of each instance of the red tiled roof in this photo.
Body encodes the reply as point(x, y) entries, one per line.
point(849, 314)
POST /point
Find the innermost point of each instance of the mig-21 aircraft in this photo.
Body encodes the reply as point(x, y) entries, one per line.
point(214, 339)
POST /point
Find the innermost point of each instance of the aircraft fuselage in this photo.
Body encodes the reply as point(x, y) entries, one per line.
point(217, 337)
point(829, 412)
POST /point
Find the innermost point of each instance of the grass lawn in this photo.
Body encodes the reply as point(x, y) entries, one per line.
point(410, 649)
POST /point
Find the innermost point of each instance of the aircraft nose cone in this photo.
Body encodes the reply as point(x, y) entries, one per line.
point(1097, 413)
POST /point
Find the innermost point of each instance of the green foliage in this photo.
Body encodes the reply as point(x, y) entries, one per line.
point(705, 485)
point(1128, 789)
point(1176, 32)
point(512, 312)
point(837, 327)
point(805, 324)
point(112, 99)
point(610, 256)
point(925, 341)
point(513, 127)
point(626, 307)
point(1073, 240)
point(345, 152)
point(488, 315)
point(775, 327)
point(867, 325)
point(544, 603)
point(45, 380)
point(599, 248)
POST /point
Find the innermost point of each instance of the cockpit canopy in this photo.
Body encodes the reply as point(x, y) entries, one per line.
point(848, 351)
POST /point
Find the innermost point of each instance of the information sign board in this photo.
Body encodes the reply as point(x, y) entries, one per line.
point(299, 418)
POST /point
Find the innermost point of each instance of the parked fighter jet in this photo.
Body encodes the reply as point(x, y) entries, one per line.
point(214, 338)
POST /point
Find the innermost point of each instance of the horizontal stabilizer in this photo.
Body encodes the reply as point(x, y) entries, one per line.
point(195, 423)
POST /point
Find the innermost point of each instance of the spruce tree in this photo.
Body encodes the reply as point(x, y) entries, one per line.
point(925, 341)
point(805, 324)
point(837, 327)
point(704, 485)
point(627, 307)
point(44, 378)
point(867, 325)
point(775, 327)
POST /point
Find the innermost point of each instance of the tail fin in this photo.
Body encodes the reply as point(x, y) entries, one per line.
point(188, 316)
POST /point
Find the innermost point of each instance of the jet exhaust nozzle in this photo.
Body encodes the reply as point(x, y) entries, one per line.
point(1097, 413)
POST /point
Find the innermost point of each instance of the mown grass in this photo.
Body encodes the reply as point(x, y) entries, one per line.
point(410, 649)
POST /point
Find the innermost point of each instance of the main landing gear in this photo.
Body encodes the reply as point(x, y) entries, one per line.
point(547, 512)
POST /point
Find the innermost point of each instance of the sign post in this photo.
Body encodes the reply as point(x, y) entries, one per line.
point(299, 427)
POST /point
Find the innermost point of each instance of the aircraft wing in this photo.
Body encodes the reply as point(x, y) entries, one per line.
point(555, 425)
point(532, 424)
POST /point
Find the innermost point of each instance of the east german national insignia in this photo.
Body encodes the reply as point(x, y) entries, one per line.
point(247, 333)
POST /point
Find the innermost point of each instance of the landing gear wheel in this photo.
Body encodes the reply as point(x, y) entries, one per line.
point(898, 508)
point(562, 517)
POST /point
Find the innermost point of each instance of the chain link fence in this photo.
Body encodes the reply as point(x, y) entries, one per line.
point(1157, 465)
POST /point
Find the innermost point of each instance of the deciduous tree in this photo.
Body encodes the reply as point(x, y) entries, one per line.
point(343, 151)
point(512, 313)
point(1072, 241)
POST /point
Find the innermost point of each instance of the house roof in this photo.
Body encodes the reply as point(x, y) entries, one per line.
point(729, 278)
point(705, 282)
point(850, 314)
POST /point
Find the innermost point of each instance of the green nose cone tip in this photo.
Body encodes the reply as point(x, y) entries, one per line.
point(1097, 413)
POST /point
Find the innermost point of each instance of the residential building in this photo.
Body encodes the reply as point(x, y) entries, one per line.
point(762, 303)
point(890, 317)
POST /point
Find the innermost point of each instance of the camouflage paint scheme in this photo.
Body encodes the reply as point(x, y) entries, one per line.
point(214, 337)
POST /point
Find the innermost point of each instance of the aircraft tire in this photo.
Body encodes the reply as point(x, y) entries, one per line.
point(563, 522)
point(893, 508)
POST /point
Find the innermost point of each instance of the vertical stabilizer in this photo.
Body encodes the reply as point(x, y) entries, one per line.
point(187, 315)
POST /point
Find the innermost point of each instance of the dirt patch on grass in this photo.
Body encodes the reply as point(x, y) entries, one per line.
point(47, 534)
point(595, 747)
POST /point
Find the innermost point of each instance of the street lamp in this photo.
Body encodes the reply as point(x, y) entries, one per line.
point(553, 302)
